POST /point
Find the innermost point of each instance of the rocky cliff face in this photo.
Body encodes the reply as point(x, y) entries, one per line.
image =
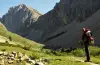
point(64, 13)
point(19, 18)
point(79, 9)
point(80, 13)
point(71, 38)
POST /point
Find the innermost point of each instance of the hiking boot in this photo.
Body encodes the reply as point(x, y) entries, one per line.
point(87, 61)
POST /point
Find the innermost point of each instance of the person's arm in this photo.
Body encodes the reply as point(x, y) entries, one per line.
point(83, 37)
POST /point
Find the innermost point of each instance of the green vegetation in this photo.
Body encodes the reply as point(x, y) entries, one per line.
point(14, 42)
point(66, 57)
point(17, 49)
point(94, 51)
point(27, 44)
point(78, 52)
point(68, 60)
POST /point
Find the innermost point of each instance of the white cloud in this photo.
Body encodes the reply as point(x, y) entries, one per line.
point(1, 14)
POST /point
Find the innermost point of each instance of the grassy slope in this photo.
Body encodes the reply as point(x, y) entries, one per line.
point(17, 38)
point(21, 44)
point(65, 59)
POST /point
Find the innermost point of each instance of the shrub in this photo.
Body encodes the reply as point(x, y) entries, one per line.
point(3, 50)
point(35, 56)
point(94, 51)
point(57, 53)
point(10, 38)
point(78, 52)
point(27, 47)
point(47, 51)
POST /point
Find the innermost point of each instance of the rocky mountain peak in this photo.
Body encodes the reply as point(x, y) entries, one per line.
point(19, 18)
point(17, 8)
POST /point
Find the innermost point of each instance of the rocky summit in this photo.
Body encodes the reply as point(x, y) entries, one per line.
point(19, 18)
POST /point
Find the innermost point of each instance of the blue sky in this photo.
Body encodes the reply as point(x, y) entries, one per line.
point(42, 6)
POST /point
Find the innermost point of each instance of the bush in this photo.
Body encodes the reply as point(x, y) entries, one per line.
point(46, 51)
point(94, 51)
point(27, 47)
point(3, 50)
point(10, 38)
point(78, 52)
point(35, 56)
point(57, 53)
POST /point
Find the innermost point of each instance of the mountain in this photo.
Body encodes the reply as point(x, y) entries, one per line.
point(59, 27)
point(19, 18)
point(64, 13)
point(71, 38)
point(81, 13)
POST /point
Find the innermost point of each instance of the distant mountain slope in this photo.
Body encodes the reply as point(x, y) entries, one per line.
point(73, 35)
point(64, 13)
point(19, 18)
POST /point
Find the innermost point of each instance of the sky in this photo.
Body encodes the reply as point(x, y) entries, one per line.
point(43, 6)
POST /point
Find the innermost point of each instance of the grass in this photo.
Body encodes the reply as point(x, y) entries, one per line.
point(17, 49)
point(35, 50)
point(53, 59)
point(18, 39)
point(96, 59)
point(64, 60)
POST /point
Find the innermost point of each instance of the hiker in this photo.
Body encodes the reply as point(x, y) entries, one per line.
point(86, 38)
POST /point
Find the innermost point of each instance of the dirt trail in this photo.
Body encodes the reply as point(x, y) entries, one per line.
point(2, 40)
point(80, 60)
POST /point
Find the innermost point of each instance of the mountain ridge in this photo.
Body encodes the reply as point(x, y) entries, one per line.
point(19, 18)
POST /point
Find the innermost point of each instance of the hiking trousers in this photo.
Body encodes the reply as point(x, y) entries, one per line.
point(87, 51)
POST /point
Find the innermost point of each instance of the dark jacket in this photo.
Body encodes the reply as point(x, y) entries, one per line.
point(85, 38)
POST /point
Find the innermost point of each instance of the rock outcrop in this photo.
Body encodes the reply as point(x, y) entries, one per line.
point(17, 58)
point(19, 18)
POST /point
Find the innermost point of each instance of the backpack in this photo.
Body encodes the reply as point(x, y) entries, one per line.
point(91, 38)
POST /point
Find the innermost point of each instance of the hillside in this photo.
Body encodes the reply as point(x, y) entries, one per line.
point(64, 13)
point(33, 53)
point(73, 34)
point(79, 13)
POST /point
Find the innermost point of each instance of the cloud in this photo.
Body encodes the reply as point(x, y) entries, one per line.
point(1, 14)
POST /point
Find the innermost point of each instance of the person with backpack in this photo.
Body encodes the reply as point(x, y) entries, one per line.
point(87, 39)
